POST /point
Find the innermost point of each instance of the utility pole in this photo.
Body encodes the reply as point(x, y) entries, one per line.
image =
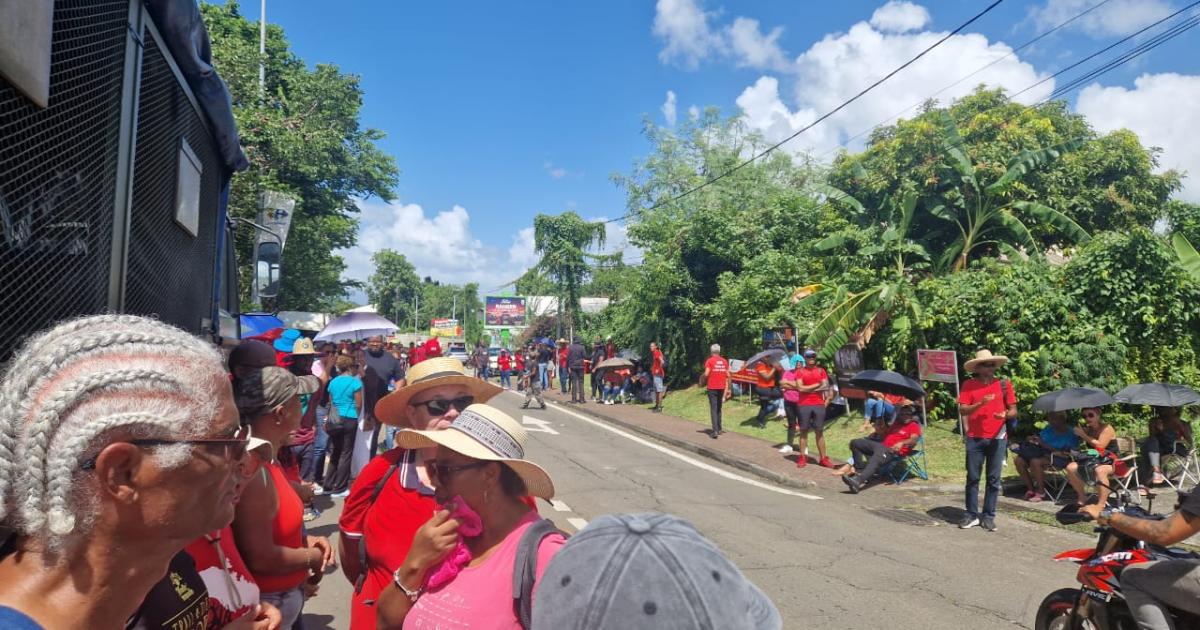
point(262, 50)
point(454, 308)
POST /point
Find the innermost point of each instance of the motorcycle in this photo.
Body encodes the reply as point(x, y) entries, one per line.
point(1099, 604)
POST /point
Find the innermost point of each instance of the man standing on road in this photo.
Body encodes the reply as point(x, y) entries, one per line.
point(480, 360)
point(385, 369)
point(576, 354)
point(812, 381)
point(716, 379)
point(564, 374)
point(659, 372)
point(986, 403)
point(531, 379)
point(545, 360)
point(598, 357)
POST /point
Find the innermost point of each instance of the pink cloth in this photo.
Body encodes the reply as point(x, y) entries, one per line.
point(480, 597)
point(791, 395)
point(470, 525)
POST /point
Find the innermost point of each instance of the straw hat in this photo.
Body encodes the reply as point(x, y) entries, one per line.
point(985, 356)
point(435, 372)
point(485, 433)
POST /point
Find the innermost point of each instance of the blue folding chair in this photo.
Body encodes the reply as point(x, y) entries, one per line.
point(913, 464)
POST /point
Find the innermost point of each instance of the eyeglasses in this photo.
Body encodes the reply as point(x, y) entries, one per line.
point(233, 446)
point(440, 406)
point(442, 472)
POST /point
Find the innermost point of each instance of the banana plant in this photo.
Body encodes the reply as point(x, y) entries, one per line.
point(1188, 257)
point(985, 213)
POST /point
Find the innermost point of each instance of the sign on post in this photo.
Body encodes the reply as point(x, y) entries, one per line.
point(940, 366)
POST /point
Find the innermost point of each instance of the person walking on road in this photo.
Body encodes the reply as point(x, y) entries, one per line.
point(345, 403)
point(504, 364)
point(479, 360)
point(576, 355)
point(812, 381)
point(564, 374)
point(716, 380)
point(658, 372)
point(985, 403)
point(532, 381)
point(598, 357)
point(545, 363)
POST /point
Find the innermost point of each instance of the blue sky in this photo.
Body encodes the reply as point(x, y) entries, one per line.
point(498, 111)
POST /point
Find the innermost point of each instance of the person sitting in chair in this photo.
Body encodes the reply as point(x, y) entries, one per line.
point(870, 455)
point(1052, 446)
point(1168, 435)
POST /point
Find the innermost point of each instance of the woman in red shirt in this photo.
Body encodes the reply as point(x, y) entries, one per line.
point(393, 495)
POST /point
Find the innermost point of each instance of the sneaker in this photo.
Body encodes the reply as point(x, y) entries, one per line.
point(317, 489)
point(341, 495)
point(311, 514)
point(714, 434)
point(852, 483)
point(989, 524)
point(525, 406)
point(801, 462)
point(968, 522)
point(825, 463)
point(786, 448)
point(543, 406)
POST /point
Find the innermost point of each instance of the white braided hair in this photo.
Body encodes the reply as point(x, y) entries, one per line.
point(72, 390)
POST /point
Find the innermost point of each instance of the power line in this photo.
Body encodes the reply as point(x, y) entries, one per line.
point(816, 122)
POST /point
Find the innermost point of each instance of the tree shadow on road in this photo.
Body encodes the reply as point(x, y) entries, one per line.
point(948, 514)
point(318, 622)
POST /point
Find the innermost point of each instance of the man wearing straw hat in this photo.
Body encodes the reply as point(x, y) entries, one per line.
point(985, 403)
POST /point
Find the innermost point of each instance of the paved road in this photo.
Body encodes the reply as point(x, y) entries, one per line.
point(827, 559)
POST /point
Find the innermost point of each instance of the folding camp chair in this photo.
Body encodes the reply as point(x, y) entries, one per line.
point(1128, 483)
point(1181, 471)
point(1055, 481)
point(913, 464)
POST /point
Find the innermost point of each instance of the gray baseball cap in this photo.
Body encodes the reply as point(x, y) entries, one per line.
point(652, 571)
point(262, 390)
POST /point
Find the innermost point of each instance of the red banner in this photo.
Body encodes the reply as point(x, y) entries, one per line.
point(937, 365)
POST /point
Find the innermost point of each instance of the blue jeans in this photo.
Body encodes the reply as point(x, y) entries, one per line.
point(312, 468)
point(389, 437)
point(877, 408)
point(542, 376)
point(506, 379)
point(981, 451)
point(564, 378)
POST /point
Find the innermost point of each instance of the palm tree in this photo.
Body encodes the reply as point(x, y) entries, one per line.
point(563, 242)
point(987, 214)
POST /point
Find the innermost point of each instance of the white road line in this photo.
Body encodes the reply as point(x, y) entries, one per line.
point(684, 458)
point(577, 523)
point(559, 505)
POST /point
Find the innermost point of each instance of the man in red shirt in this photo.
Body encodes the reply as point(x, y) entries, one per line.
point(812, 381)
point(890, 441)
point(564, 375)
point(659, 373)
point(716, 379)
point(986, 403)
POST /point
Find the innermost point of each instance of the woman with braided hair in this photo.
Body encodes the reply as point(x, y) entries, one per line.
point(118, 441)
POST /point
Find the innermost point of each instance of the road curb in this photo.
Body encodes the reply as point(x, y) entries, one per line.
point(719, 456)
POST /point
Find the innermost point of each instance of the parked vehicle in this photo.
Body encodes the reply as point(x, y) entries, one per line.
point(458, 350)
point(493, 359)
point(1098, 603)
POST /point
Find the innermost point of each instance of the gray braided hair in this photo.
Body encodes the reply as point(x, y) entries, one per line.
point(72, 390)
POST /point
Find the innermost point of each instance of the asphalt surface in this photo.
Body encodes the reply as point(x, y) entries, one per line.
point(886, 558)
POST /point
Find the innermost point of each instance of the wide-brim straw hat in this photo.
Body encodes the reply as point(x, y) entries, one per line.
point(485, 433)
point(393, 409)
point(985, 356)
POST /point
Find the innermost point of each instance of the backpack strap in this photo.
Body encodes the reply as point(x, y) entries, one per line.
point(362, 542)
point(525, 568)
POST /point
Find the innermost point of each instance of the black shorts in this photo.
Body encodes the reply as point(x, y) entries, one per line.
point(812, 417)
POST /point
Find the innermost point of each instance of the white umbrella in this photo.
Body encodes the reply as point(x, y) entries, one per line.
point(356, 326)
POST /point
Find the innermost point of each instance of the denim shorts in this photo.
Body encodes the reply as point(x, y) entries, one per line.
point(659, 386)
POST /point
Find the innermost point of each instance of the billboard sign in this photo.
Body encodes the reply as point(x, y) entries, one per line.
point(445, 328)
point(503, 312)
point(937, 365)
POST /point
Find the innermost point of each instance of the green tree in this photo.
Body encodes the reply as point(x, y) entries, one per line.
point(304, 138)
point(392, 286)
point(563, 242)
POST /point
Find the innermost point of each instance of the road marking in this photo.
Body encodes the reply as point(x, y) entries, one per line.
point(537, 425)
point(690, 460)
point(577, 523)
point(559, 505)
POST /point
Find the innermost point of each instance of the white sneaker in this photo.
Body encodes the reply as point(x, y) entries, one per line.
point(786, 448)
point(317, 489)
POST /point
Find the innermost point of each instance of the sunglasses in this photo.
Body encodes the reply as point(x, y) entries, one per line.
point(987, 365)
point(233, 445)
point(442, 473)
point(439, 406)
point(1091, 415)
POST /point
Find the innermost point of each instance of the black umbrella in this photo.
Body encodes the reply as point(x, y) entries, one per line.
point(774, 354)
point(1158, 394)
point(888, 382)
point(1072, 398)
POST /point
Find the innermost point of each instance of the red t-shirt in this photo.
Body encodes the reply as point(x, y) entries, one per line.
point(656, 367)
point(899, 433)
point(232, 591)
point(765, 374)
point(562, 357)
point(388, 524)
point(520, 362)
point(610, 351)
point(503, 362)
point(616, 377)
point(718, 372)
point(983, 422)
point(812, 375)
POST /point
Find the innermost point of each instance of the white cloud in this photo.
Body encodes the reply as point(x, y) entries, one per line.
point(668, 109)
point(900, 17)
point(522, 251)
point(1115, 18)
point(751, 48)
point(439, 245)
point(557, 172)
point(1155, 110)
point(841, 64)
point(683, 25)
point(694, 112)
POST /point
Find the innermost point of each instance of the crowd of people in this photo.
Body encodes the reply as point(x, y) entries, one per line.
point(147, 481)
